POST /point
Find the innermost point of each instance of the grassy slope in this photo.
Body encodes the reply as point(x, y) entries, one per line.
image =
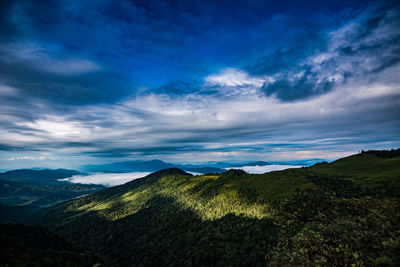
point(369, 173)
point(361, 165)
point(162, 210)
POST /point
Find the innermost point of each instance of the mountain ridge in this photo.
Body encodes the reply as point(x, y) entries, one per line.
point(239, 219)
point(155, 165)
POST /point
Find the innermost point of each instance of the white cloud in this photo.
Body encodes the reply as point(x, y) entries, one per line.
point(233, 82)
point(214, 121)
point(32, 158)
point(7, 90)
point(233, 77)
point(45, 57)
point(107, 179)
point(69, 66)
point(263, 169)
point(56, 126)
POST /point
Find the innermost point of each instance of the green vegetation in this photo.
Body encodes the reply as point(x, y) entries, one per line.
point(318, 228)
point(37, 195)
point(44, 177)
point(23, 192)
point(341, 213)
point(12, 214)
point(365, 174)
point(22, 245)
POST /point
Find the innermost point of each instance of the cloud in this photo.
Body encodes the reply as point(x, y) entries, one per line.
point(197, 127)
point(32, 158)
point(46, 71)
point(362, 48)
point(57, 127)
point(107, 179)
point(263, 169)
point(305, 84)
point(233, 78)
point(7, 91)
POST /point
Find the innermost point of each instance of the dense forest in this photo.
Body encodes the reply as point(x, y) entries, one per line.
point(344, 213)
point(22, 245)
point(22, 192)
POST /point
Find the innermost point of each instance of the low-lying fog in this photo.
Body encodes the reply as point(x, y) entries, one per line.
point(267, 168)
point(107, 179)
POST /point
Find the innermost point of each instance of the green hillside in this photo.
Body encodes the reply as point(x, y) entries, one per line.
point(38, 195)
point(23, 192)
point(22, 245)
point(366, 173)
point(341, 213)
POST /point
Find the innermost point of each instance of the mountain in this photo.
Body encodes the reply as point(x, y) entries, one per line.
point(255, 163)
point(334, 214)
point(148, 166)
point(41, 195)
point(11, 214)
point(37, 176)
point(202, 170)
point(22, 245)
point(156, 165)
point(129, 166)
point(23, 192)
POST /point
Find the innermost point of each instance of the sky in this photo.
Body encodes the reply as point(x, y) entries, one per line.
point(196, 81)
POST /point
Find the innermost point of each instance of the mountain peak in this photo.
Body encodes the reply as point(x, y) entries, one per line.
point(170, 171)
point(234, 172)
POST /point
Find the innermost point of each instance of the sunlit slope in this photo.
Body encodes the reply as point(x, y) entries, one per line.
point(209, 196)
point(236, 192)
point(171, 217)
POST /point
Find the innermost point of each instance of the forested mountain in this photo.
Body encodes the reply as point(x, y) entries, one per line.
point(39, 195)
point(340, 213)
point(23, 192)
point(37, 176)
point(22, 245)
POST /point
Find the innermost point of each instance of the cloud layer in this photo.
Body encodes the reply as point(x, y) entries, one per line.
point(107, 179)
point(267, 168)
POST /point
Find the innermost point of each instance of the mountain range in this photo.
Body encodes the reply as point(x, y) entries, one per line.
point(156, 165)
point(25, 191)
point(337, 214)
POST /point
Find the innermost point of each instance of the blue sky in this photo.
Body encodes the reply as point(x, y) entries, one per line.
point(196, 81)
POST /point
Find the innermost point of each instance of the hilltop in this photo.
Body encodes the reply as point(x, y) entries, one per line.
point(339, 213)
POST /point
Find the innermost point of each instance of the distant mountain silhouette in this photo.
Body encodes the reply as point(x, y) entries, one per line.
point(25, 191)
point(254, 163)
point(37, 176)
point(148, 166)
